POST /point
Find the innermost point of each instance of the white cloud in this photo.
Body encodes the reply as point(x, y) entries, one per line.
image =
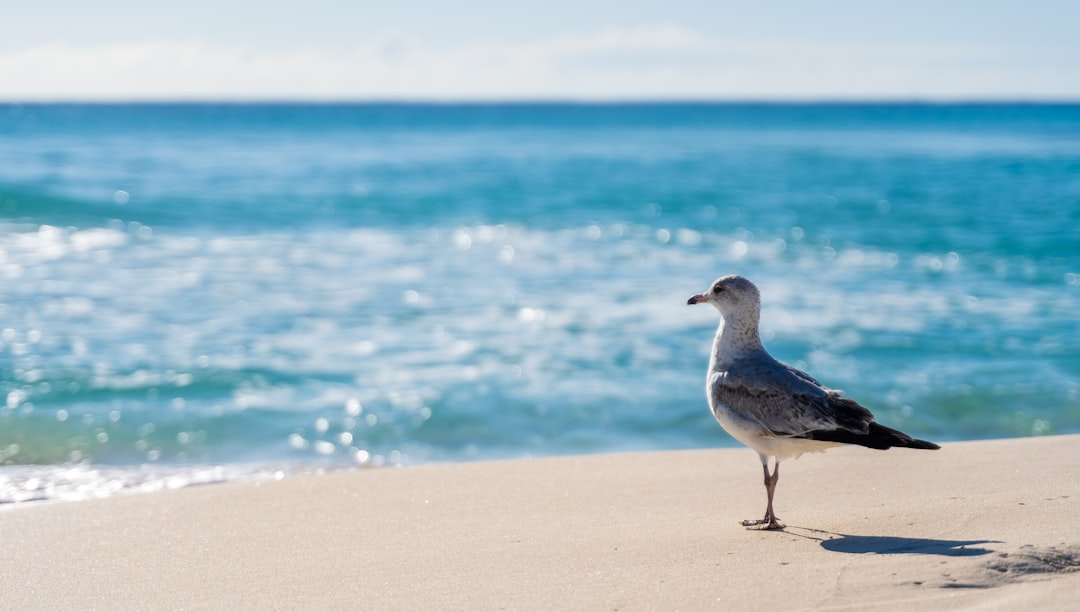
point(649, 62)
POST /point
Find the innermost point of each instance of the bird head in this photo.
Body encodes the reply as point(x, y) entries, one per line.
point(730, 295)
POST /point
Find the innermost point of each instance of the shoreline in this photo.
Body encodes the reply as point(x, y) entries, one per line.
point(977, 524)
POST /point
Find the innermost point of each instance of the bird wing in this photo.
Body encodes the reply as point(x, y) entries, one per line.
point(785, 401)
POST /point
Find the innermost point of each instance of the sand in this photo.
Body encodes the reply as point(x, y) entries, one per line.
point(984, 525)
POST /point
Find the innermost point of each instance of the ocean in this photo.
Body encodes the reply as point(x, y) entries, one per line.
point(203, 292)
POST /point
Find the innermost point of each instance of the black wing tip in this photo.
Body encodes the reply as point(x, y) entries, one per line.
point(900, 439)
point(877, 437)
point(921, 444)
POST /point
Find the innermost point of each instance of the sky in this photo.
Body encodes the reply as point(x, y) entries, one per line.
point(58, 50)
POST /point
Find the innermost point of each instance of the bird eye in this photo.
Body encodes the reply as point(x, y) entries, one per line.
point(718, 289)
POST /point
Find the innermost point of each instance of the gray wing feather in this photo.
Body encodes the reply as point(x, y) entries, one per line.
point(785, 401)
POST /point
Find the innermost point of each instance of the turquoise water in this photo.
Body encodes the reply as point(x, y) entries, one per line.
point(391, 283)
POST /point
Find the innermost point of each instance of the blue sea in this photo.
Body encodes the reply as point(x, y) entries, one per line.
point(204, 292)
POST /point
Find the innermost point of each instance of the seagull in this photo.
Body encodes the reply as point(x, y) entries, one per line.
point(771, 407)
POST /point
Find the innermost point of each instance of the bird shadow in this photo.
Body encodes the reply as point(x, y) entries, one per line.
point(894, 545)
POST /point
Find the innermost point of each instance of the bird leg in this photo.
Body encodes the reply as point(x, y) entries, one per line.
point(770, 521)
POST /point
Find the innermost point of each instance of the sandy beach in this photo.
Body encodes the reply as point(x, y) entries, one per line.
point(982, 525)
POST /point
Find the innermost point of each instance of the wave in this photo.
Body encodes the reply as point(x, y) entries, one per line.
point(39, 206)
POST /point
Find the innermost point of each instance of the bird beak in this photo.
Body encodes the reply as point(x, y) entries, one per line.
point(697, 299)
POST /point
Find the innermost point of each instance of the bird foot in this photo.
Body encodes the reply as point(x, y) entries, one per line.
point(765, 524)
